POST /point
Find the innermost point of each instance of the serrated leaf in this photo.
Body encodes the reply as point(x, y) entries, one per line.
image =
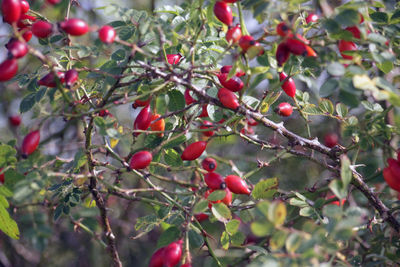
point(7, 224)
point(232, 226)
point(311, 109)
point(238, 238)
point(326, 106)
point(221, 212)
point(27, 103)
point(328, 87)
point(200, 206)
point(379, 17)
point(168, 236)
point(176, 100)
point(172, 158)
point(342, 110)
point(345, 172)
point(7, 156)
point(265, 189)
point(217, 195)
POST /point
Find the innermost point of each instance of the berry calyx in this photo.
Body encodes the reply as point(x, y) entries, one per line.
point(246, 41)
point(42, 29)
point(223, 12)
point(214, 180)
point(209, 164)
point(194, 150)
point(289, 87)
point(284, 109)
point(30, 143)
point(234, 34)
point(107, 34)
point(140, 160)
point(8, 69)
point(14, 120)
point(283, 29)
point(74, 27)
point(237, 185)
point(228, 98)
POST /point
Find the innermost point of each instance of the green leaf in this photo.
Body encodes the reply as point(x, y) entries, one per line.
point(238, 238)
point(277, 213)
point(119, 55)
point(377, 38)
point(27, 103)
point(326, 106)
point(386, 66)
point(293, 242)
point(345, 172)
point(342, 110)
point(328, 87)
point(395, 18)
point(196, 240)
point(311, 109)
point(261, 229)
point(379, 17)
point(336, 69)
point(217, 195)
point(79, 160)
point(7, 156)
point(265, 189)
point(338, 189)
point(331, 26)
point(172, 157)
point(232, 226)
point(7, 224)
point(225, 240)
point(168, 236)
point(175, 142)
point(200, 206)
point(348, 17)
point(372, 107)
point(221, 212)
point(176, 100)
point(12, 177)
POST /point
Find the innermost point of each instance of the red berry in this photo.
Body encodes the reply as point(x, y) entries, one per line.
point(11, 10)
point(140, 160)
point(50, 81)
point(227, 200)
point(199, 217)
point(159, 125)
point(107, 34)
point(346, 46)
point(53, 2)
point(143, 120)
point(188, 98)
point(8, 69)
point(228, 98)
point(1, 176)
point(288, 86)
point(392, 174)
point(227, 68)
point(361, 18)
point(15, 120)
point(296, 46)
point(17, 49)
point(104, 113)
point(209, 164)
point(71, 76)
point(234, 34)
point(331, 140)
point(230, 1)
point(141, 103)
point(310, 52)
point(234, 84)
point(312, 17)
point(204, 112)
point(74, 27)
point(214, 180)
point(251, 122)
point(27, 36)
point(246, 41)
point(355, 31)
point(157, 258)
point(174, 59)
point(42, 29)
point(223, 12)
point(285, 109)
point(282, 29)
point(237, 185)
point(207, 125)
point(172, 254)
point(24, 6)
point(194, 150)
point(30, 143)
point(282, 54)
